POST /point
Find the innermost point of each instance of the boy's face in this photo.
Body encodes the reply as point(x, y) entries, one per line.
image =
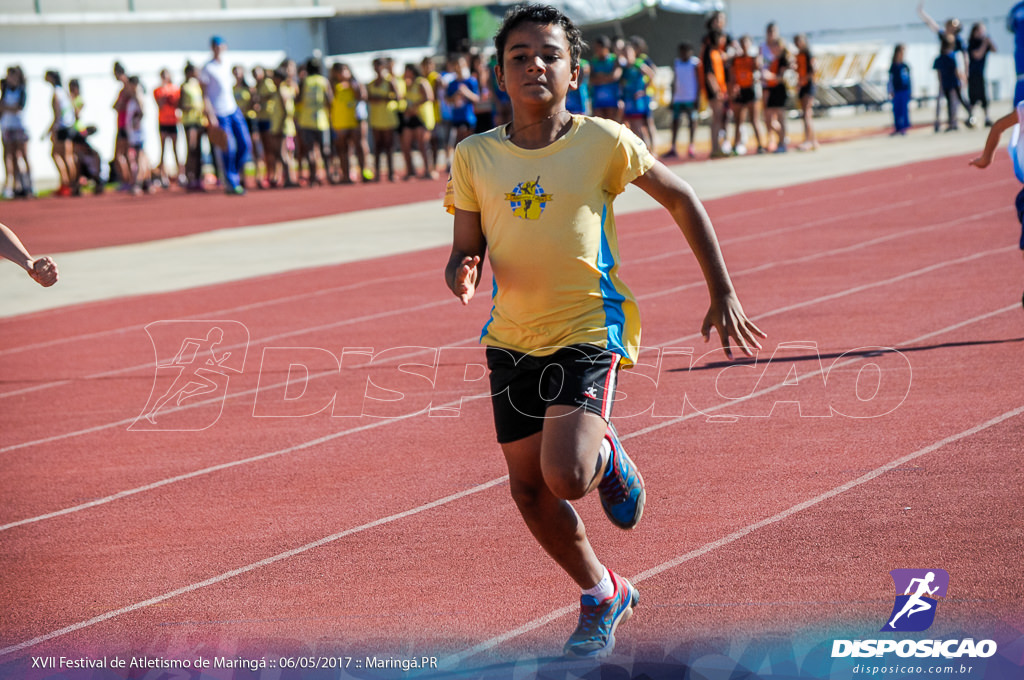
point(536, 68)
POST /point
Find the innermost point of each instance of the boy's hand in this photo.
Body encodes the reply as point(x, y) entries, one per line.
point(729, 319)
point(981, 162)
point(465, 278)
point(44, 272)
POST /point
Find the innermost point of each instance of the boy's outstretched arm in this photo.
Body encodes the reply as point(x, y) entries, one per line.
point(466, 260)
point(725, 314)
point(42, 270)
point(997, 130)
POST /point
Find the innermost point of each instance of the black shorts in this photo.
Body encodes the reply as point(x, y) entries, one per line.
point(414, 123)
point(169, 130)
point(746, 95)
point(976, 93)
point(523, 386)
point(311, 137)
point(777, 97)
point(680, 108)
point(807, 90)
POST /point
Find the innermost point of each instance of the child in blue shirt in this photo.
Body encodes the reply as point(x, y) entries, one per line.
point(949, 81)
point(899, 90)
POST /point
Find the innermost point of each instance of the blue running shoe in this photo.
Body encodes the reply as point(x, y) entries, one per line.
point(595, 633)
point(622, 488)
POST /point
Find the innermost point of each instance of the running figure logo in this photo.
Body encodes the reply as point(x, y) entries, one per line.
point(194, 362)
point(917, 591)
point(528, 200)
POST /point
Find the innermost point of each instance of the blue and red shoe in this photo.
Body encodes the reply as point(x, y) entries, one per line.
point(622, 488)
point(595, 633)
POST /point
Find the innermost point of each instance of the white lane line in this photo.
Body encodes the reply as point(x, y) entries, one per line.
point(859, 245)
point(624, 236)
point(541, 621)
point(551, 616)
point(772, 388)
point(205, 402)
point(312, 329)
point(220, 313)
point(204, 471)
point(270, 338)
point(6, 651)
point(667, 291)
point(758, 268)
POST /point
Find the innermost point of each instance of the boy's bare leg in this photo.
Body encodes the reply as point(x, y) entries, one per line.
point(546, 471)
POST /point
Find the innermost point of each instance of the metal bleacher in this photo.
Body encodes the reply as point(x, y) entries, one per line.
point(842, 79)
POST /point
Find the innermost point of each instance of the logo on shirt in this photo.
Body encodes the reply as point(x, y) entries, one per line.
point(528, 200)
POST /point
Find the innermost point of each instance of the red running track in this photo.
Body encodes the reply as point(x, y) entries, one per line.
point(774, 508)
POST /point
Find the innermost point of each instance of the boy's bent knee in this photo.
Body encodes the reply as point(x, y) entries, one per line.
point(569, 483)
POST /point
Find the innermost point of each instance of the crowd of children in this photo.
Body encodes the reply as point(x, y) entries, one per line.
point(311, 123)
point(745, 85)
point(307, 124)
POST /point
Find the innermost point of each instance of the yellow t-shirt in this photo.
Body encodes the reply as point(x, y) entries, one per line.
point(384, 112)
point(418, 103)
point(433, 77)
point(343, 108)
point(191, 103)
point(550, 229)
point(399, 84)
point(265, 92)
point(312, 113)
point(282, 121)
point(243, 98)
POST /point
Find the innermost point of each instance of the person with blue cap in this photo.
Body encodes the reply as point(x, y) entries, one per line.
point(232, 139)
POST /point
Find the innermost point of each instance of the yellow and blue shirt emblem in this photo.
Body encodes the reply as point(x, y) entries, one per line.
point(528, 200)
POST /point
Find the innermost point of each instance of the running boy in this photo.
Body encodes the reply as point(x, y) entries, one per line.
point(1010, 120)
point(537, 193)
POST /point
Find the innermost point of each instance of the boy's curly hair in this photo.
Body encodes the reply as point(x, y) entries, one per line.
point(544, 15)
